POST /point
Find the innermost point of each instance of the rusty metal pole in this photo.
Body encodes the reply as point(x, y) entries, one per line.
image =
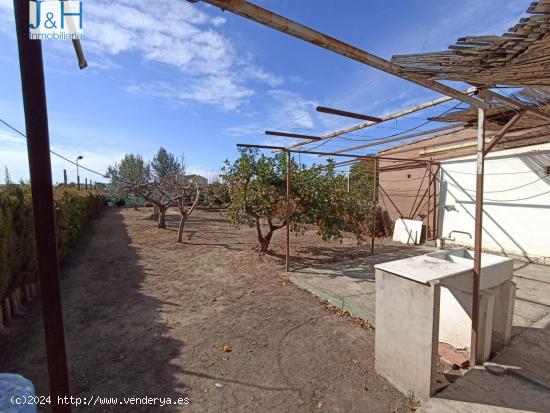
point(288, 170)
point(375, 205)
point(478, 232)
point(38, 145)
point(434, 213)
point(429, 167)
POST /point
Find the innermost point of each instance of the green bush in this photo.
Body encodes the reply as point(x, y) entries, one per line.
point(73, 210)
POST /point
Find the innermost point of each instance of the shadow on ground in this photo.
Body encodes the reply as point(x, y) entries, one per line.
point(115, 338)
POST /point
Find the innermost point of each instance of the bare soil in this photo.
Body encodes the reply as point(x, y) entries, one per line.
point(146, 316)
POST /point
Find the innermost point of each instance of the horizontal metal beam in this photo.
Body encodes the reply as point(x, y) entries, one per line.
point(246, 145)
point(392, 158)
point(391, 116)
point(347, 114)
point(267, 18)
point(281, 148)
point(517, 105)
point(292, 135)
point(447, 128)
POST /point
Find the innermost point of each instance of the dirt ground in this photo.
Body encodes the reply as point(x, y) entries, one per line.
point(145, 316)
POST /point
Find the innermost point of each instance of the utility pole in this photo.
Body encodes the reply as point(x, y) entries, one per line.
point(77, 172)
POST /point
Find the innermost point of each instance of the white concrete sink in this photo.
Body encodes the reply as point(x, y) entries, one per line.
point(495, 270)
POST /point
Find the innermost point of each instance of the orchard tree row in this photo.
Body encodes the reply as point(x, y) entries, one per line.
point(253, 192)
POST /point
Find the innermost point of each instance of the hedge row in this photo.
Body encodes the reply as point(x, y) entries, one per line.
point(73, 210)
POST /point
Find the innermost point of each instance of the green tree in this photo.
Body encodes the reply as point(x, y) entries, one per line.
point(257, 191)
point(130, 177)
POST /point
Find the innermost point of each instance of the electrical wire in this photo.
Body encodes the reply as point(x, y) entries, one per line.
point(53, 152)
point(325, 141)
point(500, 190)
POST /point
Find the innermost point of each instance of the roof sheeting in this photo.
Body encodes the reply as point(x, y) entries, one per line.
point(498, 115)
point(519, 58)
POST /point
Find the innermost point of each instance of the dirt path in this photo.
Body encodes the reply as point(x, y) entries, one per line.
point(146, 316)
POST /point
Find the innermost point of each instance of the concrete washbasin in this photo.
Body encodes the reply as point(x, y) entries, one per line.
point(425, 300)
point(495, 270)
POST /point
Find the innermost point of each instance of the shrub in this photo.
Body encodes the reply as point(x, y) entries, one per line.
point(73, 210)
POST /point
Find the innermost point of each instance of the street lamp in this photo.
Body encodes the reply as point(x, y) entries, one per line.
point(77, 174)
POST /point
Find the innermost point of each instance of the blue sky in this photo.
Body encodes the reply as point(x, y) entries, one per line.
point(197, 80)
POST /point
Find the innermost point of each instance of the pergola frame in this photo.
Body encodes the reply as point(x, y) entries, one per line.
point(36, 119)
point(280, 23)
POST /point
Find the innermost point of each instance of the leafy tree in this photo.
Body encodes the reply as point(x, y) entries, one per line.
point(129, 177)
point(215, 195)
point(361, 200)
point(257, 190)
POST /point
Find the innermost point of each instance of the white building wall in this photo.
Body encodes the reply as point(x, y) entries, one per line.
point(516, 219)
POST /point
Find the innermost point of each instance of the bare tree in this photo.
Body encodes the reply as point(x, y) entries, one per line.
point(184, 200)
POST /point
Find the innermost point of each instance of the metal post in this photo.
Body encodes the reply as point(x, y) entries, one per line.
point(374, 204)
point(429, 167)
point(288, 171)
point(86, 183)
point(65, 177)
point(434, 214)
point(478, 232)
point(349, 178)
point(38, 145)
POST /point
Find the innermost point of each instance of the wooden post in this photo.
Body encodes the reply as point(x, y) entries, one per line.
point(86, 183)
point(478, 232)
point(375, 205)
point(38, 145)
point(288, 171)
point(65, 177)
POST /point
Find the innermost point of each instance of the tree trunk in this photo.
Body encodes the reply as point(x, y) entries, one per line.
point(183, 220)
point(162, 218)
point(135, 206)
point(155, 215)
point(180, 229)
point(264, 241)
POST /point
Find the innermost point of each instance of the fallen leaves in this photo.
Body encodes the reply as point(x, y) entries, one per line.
point(227, 348)
point(338, 311)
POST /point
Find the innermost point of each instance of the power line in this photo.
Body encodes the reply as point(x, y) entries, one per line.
point(53, 152)
point(325, 141)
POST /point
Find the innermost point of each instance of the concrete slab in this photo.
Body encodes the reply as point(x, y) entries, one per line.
point(349, 285)
point(525, 389)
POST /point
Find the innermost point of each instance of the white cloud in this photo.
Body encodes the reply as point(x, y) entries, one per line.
point(228, 95)
point(200, 61)
point(293, 110)
point(286, 110)
point(184, 38)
